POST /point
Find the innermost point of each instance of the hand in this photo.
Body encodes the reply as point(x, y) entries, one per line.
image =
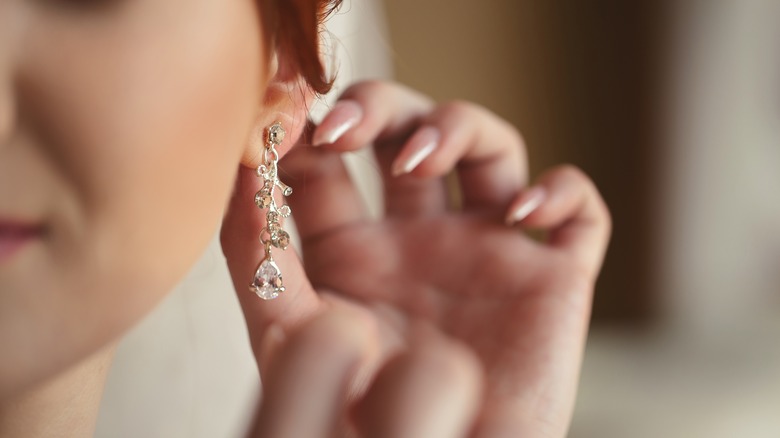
point(434, 318)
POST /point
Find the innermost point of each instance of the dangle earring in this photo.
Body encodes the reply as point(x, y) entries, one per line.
point(267, 283)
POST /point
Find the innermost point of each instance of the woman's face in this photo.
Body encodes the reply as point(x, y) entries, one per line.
point(122, 123)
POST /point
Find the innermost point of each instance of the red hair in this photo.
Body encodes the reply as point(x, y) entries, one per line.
point(294, 28)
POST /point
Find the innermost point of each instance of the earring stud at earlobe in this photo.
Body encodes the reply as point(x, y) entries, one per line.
point(267, 283)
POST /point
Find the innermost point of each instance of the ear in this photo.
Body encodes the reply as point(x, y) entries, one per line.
point(286, 99)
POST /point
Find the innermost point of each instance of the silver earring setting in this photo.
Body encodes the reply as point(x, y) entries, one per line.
point(267, 283)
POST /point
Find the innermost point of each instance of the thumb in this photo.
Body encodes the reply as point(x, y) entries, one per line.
point(240, 239)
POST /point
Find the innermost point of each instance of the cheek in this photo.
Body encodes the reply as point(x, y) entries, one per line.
point(186, 109)
point(143, 117)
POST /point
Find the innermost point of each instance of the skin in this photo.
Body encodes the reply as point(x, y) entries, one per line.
point(493, 320)
point(111, 144)
point(127, 127)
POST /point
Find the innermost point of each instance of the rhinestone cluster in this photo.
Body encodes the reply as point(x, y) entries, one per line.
point(267, 282)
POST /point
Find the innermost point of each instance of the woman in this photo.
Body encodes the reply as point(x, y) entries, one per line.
point(127, 126)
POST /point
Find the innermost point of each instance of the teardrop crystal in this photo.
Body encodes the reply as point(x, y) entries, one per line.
point(268, 280)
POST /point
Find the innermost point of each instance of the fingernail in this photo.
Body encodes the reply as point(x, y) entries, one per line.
point(343, 117)
point(417, 149)
point(525, 205)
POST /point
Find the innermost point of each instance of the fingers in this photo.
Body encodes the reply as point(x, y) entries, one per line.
point(416, 142)
point(324, 198)
point(373, 110)
point(488, 151)
point(240, 243)
point(566, 202)
point(433, 390)
point(306, 386)
point(383, 114)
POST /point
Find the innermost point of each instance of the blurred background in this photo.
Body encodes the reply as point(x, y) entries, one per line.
point(673, 107)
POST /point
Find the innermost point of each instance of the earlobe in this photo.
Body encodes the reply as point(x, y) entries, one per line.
point(286, 99)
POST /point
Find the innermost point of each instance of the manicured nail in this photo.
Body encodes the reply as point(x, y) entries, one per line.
point(343, 117)
point(417, 149)
point(525, 205)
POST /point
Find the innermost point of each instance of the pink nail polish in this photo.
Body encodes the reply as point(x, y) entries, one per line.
point(527, 204)
point(345, 115)
point(418, 148)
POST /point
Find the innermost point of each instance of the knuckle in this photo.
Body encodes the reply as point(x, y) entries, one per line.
point(453, 364)
point(574, 176)
point(370, 87)
point(460, 109)
point(472, 114)
point(573, 172)
point(335, 333)
point(571, 175)
point(516, 137)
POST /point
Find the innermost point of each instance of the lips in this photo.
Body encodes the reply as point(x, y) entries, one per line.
point(15, 235)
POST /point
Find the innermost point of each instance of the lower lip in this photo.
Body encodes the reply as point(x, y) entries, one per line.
point(13, 239)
